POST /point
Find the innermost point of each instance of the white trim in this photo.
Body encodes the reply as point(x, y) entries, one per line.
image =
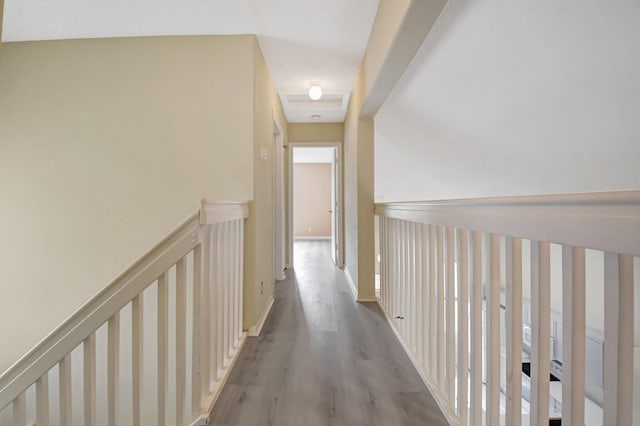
point(608, 221)
point(352, 284)
point(312, 238)
point(339, 147)
point(452, 419)
point(255, 330)
point(205, 416)
point(217, 211)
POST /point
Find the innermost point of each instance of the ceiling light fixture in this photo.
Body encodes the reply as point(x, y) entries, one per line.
point(315, 92)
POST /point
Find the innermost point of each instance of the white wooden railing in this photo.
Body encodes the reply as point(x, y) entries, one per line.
point(443, 263)
point(153, 347)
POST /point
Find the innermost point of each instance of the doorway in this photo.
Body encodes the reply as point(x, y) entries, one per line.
point(315, 194)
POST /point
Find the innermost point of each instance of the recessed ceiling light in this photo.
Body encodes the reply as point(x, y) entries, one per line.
point(315, 92)
point(316, 117)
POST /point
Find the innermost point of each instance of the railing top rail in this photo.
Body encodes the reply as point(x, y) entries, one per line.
point(113, 297)
point(587, 198)
point(602, 220)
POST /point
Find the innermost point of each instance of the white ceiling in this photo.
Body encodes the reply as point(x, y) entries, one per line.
point(303, 41)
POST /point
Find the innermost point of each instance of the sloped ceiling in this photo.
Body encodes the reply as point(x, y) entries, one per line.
point(303, 41)
point(515, 98)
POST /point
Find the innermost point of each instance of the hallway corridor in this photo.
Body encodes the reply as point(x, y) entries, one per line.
point(323, 359)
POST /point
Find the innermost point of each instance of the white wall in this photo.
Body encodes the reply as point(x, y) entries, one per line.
point(105, 147)
point(516, 98)
point(313, 155)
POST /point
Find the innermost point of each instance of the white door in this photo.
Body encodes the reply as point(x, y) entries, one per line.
point(334, 207)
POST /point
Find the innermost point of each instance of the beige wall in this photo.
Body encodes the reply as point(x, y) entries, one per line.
point(311, 200)
point(105, 146)
point(316, 132)
point(259, 275)
point(358, 195)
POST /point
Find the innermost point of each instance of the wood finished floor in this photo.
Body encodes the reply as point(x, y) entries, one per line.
point(323, 359)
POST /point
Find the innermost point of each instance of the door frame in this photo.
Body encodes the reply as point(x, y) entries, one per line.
point(339, 197)
point(279, 225)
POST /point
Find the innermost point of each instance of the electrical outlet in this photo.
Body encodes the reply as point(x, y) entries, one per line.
point(261, 286)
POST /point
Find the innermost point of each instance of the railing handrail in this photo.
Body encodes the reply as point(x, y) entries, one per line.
point(72, 332)
point(607, 221)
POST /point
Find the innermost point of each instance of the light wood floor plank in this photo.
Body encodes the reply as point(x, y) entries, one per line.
point(323, 359)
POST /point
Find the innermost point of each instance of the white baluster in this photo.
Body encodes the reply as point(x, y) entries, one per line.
point(89, 379)
point(240, 278)
point(236, 277)
point(113, 368)
point(225, 296)
point(573, 334)
point(462, 254)
point(513, 319)
point(493, 330)
point(219, 308)
point(64, 382)
point(383, 259)
point(196, 379)
point(441, 317)
point(618, 339)
point(163, 348)
point(213, 300)
point(230, 288)
point(424, 262)
point(404, 279)
point(397, 282)
point(411, 263)
point(137, 357)
point(450, 313)
point(419, 296)
point(433, 303)
point(540, 331)
point(181, 341)
point(475, 355)
point(19, 409)
point(393, 285)
point(202, 274)
point(42, 400)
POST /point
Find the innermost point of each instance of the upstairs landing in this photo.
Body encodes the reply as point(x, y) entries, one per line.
point(323, 359)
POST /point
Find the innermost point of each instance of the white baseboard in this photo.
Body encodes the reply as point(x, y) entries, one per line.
point(312, 238)
point(255, 330)
point(352, 284)
point(205, 415)
point(451, 419)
